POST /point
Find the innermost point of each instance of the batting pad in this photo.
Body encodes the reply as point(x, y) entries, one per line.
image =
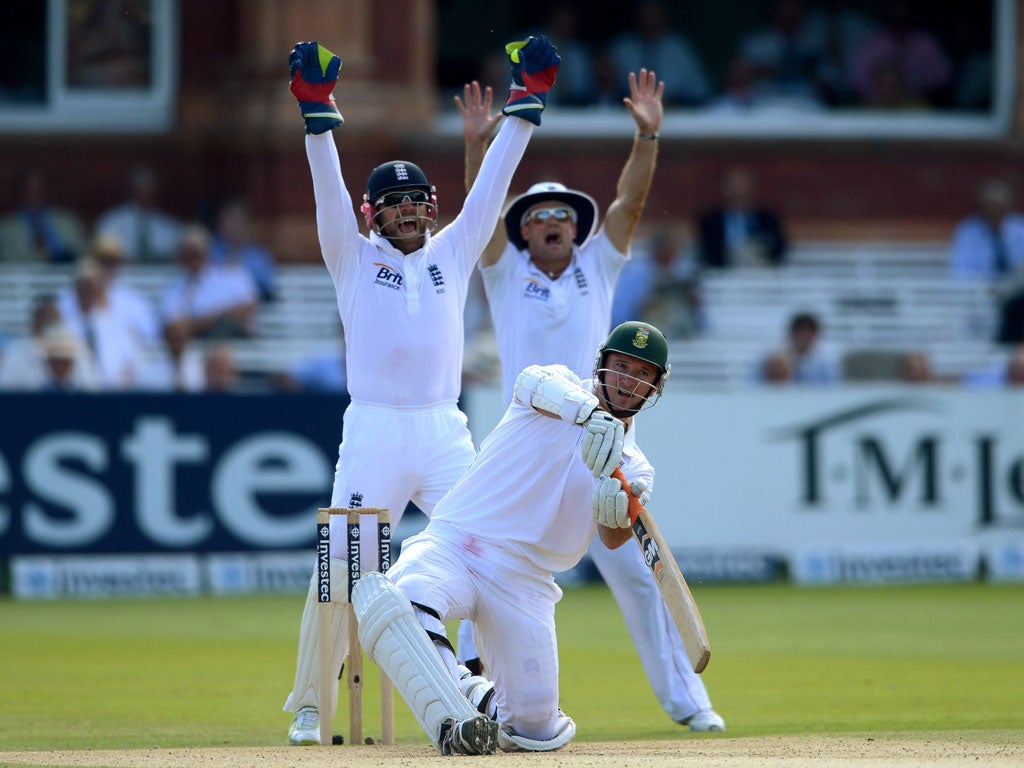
point(306, 686)
point(513, 742)
point(394, 638)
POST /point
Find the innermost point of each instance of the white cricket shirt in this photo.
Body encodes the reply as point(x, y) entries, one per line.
point(524, 489)
point(403, 314)
point(542, 321)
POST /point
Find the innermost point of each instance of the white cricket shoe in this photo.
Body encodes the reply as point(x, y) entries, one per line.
point(476, 736)
point(705, 720)
point(305, 730)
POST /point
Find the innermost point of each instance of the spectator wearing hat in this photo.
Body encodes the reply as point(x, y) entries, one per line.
point(88, 311)
point(25, 364)
point(131, 306)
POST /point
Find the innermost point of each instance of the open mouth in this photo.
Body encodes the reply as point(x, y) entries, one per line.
point(408, 226)
point(553, 238)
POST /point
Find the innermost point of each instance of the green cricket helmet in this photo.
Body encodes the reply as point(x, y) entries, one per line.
point(643, 341)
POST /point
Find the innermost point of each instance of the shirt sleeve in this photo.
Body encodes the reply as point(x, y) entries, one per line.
point(473, 227)
point(336, 222)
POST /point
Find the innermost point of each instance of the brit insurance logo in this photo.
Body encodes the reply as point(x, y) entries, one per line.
point(532, 289)
point(387, 277)
point(854, 458)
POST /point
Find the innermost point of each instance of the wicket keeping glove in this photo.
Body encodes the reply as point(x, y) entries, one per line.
point(602, 443)
point(534, 66)
point(610, 505)
point(314, 72)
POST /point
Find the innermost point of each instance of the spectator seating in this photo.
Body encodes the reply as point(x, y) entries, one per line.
point(888, 297)
point(884, 297)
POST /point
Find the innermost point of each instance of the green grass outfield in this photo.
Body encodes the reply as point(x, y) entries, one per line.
point(785, 660)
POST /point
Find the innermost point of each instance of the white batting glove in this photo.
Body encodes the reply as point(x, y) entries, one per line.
point(609, 504)
point(602, 444)
point(639, 489)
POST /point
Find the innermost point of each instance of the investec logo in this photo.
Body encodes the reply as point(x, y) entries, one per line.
point(387, 277)
point(841, 455)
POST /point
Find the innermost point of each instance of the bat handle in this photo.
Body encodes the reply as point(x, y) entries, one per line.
point(635, 507)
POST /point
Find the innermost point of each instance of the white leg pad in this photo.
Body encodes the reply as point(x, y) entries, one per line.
point(393, 637)
point(306, 687)
point(508, 741)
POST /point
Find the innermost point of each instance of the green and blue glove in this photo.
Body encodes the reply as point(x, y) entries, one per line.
point(314, 73)
point(534, 66)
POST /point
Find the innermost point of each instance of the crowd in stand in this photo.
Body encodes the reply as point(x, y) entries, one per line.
point(98, 333)
point(809, 55)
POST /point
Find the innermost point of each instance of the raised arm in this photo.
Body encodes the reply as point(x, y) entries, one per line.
point(644, 104)
point(478, 126)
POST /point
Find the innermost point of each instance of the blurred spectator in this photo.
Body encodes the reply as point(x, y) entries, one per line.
point(915, 367)
point(739, 232)
point(1009, 373)
point(812, 364)
point(214, 301)
point(109, 44)
point(989, 243)
point(777, 369)
point(661, 285)
point(38, 231)
point(808, 360)
point(233, 243)
point(132, 308)
point(145, 231)
point(178, 365)
point(62, 357)
point(1015, 368)
point(1011, 319)
point(576, 83)
point(24, 365)
point(654, 44)
point(323, 372)
point(737, 94)
point(116, 347)
point(901, 55)
point(972, 61)
point(838, 29)
point(784, 59)
point(220, 368)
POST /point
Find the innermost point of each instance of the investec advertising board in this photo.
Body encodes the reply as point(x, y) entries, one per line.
point(839, 484)
point(127, 494)
point(122, 494)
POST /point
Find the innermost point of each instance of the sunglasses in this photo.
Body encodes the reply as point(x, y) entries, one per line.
point(544, 215)
point(414, 196)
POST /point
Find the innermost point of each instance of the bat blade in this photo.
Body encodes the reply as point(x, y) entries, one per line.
point(671, 583)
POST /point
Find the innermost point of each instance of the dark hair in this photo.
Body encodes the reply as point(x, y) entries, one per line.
point(804, 320)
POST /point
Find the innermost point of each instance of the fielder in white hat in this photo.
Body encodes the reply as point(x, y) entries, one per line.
point(549, 274)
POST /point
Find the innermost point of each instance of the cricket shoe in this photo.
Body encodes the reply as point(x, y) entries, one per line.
point(476, 736)
point(305, 730)
point(705, 720)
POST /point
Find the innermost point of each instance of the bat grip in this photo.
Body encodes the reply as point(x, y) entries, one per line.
point(635, 507)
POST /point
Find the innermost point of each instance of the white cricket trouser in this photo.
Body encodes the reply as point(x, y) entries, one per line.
point(512, 604)
point(387, 458)
point(679, 690)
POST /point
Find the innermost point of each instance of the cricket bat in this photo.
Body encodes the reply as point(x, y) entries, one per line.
point(674, 589)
